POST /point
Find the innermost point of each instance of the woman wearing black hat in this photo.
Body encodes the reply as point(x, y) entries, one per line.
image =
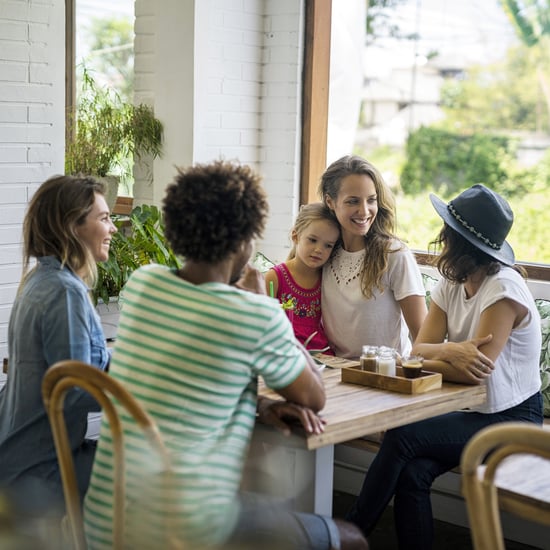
point(482, 328)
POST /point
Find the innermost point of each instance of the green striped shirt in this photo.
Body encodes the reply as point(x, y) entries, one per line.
point(191, 355)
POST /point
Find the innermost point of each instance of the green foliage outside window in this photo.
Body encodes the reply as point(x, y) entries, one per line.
point(449, 162)
point(111, 43)
point(502, 96)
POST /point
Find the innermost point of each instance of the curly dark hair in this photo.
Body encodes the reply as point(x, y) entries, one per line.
point(459, 258)
point(211, 209)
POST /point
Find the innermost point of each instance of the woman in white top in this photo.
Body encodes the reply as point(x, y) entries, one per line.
point(482, 328)
point(372, 289)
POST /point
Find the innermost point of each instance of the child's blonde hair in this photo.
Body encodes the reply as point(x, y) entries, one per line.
point(308, 213)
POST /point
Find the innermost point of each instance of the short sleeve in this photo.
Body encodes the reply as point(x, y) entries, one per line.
point(405, 277)
point(508, 285)
point(278, 359)
point(438, 294)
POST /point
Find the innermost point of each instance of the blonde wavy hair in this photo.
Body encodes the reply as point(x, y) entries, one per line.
point(308, 213)
point(381, 236)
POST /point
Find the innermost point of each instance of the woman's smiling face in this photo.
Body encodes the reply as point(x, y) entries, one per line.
point(97, 230)
point(355, 207)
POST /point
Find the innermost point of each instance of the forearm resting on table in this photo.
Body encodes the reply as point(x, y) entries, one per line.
point(282, 415)
point(440, 351)
point(450, 373)
point(440, 357)
point(308, 390)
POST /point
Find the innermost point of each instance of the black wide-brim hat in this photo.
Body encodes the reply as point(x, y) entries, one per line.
point(483, 218)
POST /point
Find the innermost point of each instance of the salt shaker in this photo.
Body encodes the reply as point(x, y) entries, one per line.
point(368, 358)
point(386, 361)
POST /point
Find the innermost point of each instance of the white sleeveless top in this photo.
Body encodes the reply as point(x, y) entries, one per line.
point(516, 376)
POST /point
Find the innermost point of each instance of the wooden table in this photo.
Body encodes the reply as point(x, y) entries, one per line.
point(300, 468)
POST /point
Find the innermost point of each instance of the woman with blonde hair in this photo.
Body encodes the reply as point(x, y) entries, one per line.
point(372, 288)
point(67, 229)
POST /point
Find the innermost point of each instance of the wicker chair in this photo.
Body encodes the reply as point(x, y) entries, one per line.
point(505, 467)
point(60, 378)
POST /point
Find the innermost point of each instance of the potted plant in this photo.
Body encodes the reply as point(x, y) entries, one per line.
point(138, 241)
point(108, 134)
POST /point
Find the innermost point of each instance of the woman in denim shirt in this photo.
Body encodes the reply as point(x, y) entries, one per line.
point(67, 229)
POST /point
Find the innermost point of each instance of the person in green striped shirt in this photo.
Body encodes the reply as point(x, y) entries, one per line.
point(190, 347)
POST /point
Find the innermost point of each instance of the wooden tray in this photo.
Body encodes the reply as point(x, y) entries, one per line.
point(425, 382)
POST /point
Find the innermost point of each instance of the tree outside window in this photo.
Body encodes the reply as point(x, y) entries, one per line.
point(456, 94)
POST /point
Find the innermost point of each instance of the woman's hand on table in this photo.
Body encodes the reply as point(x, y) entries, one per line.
point(283, 414)
point(466, 363)
point(467, 357)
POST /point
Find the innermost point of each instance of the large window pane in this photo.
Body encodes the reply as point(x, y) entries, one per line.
point(454, 94)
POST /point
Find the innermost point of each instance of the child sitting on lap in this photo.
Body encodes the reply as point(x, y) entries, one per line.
point(297, 282)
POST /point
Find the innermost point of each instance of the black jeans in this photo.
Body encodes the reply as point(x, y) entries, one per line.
point(409, 460)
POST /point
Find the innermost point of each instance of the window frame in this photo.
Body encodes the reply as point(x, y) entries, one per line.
point(315, 96)
point(70, 68)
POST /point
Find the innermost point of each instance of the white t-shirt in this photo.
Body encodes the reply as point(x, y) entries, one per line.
point(516, 376)
point(350, 320)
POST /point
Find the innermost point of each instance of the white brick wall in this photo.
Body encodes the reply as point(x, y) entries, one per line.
point(164, 79)
point(223, 76)
point(238, 92)
point(31, 123)
point(280, 135)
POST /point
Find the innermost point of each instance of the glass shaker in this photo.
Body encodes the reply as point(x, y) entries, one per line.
point(368, 358)
point(386, 361)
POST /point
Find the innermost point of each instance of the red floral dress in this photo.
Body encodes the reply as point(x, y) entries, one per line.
point(306, 314)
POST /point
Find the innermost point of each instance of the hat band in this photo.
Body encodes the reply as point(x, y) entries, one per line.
point(473, 230)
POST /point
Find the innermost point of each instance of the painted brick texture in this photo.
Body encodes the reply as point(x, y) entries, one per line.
point(254, 101)
point(246, 96)
point(246, 105)
point(31, 124)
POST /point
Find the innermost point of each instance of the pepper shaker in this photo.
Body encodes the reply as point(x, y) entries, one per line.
point(368, 358)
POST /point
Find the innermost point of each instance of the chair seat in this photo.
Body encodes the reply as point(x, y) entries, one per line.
point(524, 478)
point(505, 467)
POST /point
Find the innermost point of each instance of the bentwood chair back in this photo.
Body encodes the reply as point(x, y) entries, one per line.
point(505, 467)
point(60, 378)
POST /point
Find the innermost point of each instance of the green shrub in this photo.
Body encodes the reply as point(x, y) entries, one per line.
point(138, 241)
point(448, 163)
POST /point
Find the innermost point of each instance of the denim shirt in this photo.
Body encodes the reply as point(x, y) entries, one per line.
point(52, 319)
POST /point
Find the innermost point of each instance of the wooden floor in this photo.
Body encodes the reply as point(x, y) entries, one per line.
point(447, 535)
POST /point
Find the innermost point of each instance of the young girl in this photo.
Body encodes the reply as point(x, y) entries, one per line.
point(372, 287)
point(297, 282)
